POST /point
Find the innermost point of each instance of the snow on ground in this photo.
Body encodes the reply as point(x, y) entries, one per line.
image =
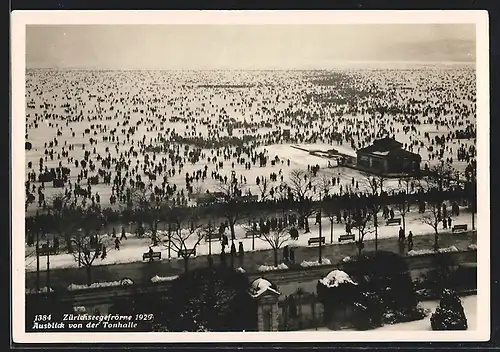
point(125, 282)
point(132, 248)
point(306, 263)
point(470, 308)
point(413, 253)
point(276, 99)
point(111, 98)
point(264, 268)
point(157, 278)
point(335, 278)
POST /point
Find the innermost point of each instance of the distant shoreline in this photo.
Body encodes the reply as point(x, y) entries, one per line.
point(333, 66)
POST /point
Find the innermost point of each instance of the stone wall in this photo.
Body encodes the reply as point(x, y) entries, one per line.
point(287, 281)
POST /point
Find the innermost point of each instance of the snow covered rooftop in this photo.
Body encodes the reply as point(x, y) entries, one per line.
point(335, 278)
point(385, 153)
point(260, 286)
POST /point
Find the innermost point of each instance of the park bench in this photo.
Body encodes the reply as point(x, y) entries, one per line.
point(394, 222)
point(252, 233)
point(461, 227)
point(47, 251)
point(346, 238)
point(186, 252)
point(152, 256)
point(212, 237)
point(313, 240)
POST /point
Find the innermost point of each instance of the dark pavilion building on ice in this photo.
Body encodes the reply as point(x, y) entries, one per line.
point(387, 156)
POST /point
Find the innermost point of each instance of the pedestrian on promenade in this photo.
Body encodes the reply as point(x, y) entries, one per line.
point(401, 245)
point(117, 244)
point(223, 256)
point(241, 253)
point(233, 250)
point(292, 256)
point(286, 254)
point(445, 224)
point(123, 237)
point(410, 241)
point(104, 253)
point(449, 222)
point(401, 234)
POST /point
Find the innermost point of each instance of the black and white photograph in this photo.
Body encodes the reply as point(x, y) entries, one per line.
point(258, 176)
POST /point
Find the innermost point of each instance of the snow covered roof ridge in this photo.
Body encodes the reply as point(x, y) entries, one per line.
point(336, 277)
point(260, 286)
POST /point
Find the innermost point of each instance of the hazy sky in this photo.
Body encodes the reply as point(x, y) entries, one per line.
point(242, 46)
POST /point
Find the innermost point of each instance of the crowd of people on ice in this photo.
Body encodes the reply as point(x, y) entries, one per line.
point(103, 142)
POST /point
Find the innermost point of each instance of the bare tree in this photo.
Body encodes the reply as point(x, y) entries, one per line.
point(198, 194)
point(301, 185)
point(91, 245)
point(437, 180)
point(150, 207)
point(276, 238)
point(65, 215)
point(403, 204)
point(433, 216)
point(232, 206)
point(362, 224)
point(264, 188)
point(328, 204)
point(439, 176)
point(471, 189)
point(375, 187)
point(208, 231)
point(187, 235)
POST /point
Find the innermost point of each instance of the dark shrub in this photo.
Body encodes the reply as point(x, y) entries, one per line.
point(449, 315)
point(368, 311)
point(335, 295)
point(386, 275)
point(53, 304)
point(440, 276)
point(213, 299)
point(464, 277)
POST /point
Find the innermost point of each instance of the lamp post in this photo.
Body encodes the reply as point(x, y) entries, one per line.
point(48, 266)
point(473, 196)
point(37, 229)
point(320, 260)
point(78, 239)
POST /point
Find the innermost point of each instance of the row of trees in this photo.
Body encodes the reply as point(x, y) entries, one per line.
point(304, 195)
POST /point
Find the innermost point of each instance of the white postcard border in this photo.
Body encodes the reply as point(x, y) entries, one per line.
point(22, 18)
